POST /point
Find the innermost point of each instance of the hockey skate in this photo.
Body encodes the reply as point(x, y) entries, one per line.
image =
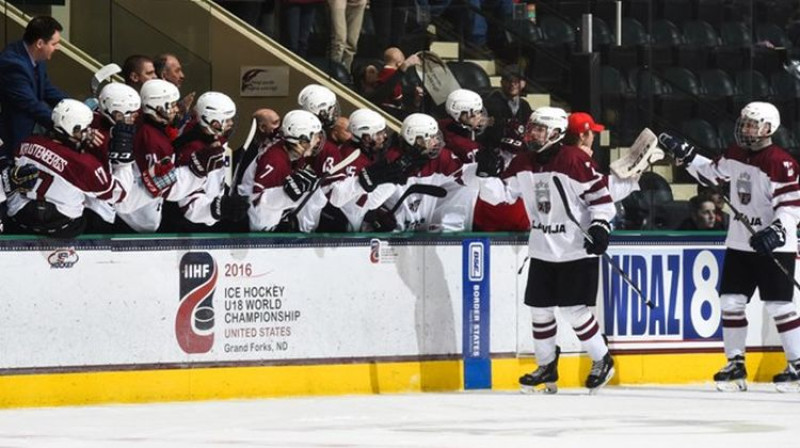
point(601, 373)
point(546, 375)
point(732, 377)
point(789, 379)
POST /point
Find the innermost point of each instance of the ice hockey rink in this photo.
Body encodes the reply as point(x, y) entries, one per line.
point(656, 416)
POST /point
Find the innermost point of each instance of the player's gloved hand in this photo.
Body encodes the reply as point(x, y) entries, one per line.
point(490, 164)
point(120, 149)
point(160, 176)
point(288, 224)
point(207, 160)
point(299, 183)
point(681, 151)
point(19, 178)
point(599, 230)
point(769, 238)
point(379, 220)
point(380, 173)
point(230, 207)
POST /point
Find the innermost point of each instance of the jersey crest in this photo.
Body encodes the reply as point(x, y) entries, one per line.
point(744, 188)
point(542, 191)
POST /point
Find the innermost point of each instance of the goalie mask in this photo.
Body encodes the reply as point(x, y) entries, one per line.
point(303, 130)
point(71, 121)
point(369, 130)
point(320, 101)
point(119, 103)
point(215, 112)
point(546, 126)
point(160, 100)
point(421, 132)
point(465, 107)
point(756, 124)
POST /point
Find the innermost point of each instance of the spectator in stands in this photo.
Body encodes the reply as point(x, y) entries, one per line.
point(478, 33)
point(26, 94)
point(388, 91)
point(340, 131)
point(347, 17)
point(138, 69)
point(506, 104)
point(701, 215)
point(720, 216)
point(298, 18)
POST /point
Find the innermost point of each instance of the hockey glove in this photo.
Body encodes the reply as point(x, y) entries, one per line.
point(598, 231)
point(332, 220)
point(230, 208)
point(207, 160)
point(120, 149)
point(380, 173)
point(681, 151)
point(379, 220)
point(160, 176)
point(768, 239)
point(299, 183)
point(490, 164)
point(20, 178)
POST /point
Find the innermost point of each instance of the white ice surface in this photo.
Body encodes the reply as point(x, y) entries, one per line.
point(639, 417)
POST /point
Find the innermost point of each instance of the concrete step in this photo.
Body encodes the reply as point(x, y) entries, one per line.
point(495, 81)
point(537, 100)
point(683, 192)
point(445, 50)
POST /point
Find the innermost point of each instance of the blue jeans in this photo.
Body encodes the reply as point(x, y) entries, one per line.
point(500, 9)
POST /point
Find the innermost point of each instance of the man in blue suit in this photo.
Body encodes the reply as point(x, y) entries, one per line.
point(26, 95)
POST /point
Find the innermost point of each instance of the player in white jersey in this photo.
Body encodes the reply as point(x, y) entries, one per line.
point(156, 177)
point(211, 202)
point(564, 269)
point(68, 175)
point(764, 189)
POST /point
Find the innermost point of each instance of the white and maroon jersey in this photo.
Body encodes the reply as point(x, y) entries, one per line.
point(196, 206)
point(428, 213)
point(459, 140)
point(68, 177)
point(105, 210)
point(350, 197)
point(501, 217)
point(763, 187)
point(554, 236)
point(269, 202)
point(141, 209)
point(621, 188)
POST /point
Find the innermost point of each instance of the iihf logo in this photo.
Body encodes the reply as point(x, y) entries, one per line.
point(194, 322)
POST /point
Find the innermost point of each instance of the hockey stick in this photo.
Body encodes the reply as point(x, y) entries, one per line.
point(741, 217)
point(250, 134)
point(563, 195)
point(334, 169)
point(428, 190)
point(102, 76)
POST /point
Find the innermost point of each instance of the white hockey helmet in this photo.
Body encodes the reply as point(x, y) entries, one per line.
point(118, 101)
point(71, 120)
point(463, 101)
point(421, 131)
point(546, 126)
point(303, 128)
point(215, 112)
point(368, 128)
point(756, 124)
point(160, 99)
point(320, 101)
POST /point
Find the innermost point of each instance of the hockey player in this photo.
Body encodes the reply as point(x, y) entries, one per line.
point(764, 189)
point(322, 102)
point(267, 124)
point(207, 205)
point(564, 269)
point(370, 177)
point(156, 177)
point(68, 175)
point(284, 176)
point(117, 110)
point(423, 157)
point(467, 119)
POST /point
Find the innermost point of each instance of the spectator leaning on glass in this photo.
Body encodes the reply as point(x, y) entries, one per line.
point(26, 94)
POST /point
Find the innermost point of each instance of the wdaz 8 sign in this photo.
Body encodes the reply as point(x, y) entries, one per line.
point(682, 284)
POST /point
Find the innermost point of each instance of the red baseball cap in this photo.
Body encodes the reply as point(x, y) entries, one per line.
point(580, 122)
